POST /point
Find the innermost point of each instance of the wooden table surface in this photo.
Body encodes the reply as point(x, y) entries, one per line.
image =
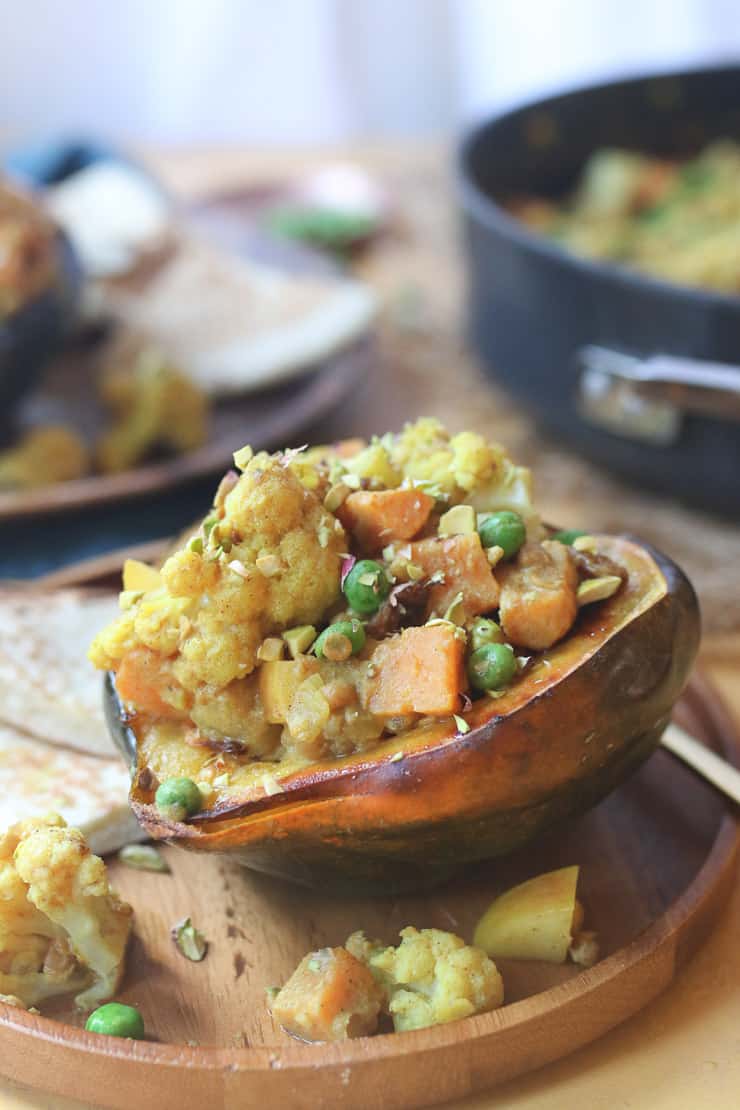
point(684, 1050)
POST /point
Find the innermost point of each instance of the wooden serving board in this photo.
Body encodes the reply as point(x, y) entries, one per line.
point(657, 864)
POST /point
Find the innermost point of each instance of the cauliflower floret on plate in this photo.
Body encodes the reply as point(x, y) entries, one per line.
point(432, 977)
point(62, 928)
point(268, 557)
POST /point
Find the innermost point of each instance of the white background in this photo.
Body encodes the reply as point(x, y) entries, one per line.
point(292, 71)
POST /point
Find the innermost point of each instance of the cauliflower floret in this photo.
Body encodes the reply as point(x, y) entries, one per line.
point(431, 977)
point(48, 453)
point(270, 559)
point(462, 468)
point(62, 929)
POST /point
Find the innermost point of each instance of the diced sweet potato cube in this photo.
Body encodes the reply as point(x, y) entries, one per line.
point(143, 679)
point(331, 996)
point(538, 596)
point(376, 518)
point(419, 671)
point(463, 565)
point(279, 680)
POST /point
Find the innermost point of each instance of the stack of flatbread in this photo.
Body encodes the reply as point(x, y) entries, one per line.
point(55, 751)
point(233, 324)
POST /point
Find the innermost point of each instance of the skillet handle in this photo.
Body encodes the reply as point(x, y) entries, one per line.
point(645, 398)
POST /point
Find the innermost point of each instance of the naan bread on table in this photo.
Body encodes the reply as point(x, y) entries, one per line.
point(48, 687)
point(91, 794)
point(234, 325)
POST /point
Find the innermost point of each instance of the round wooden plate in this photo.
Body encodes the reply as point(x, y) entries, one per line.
point(656, 866)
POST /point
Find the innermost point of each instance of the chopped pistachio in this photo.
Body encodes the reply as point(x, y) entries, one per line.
point(242, 457)
point(457, 521)
point(269, 565)
point(299, 639)
point(195, 543)
point(209, 524)
point(438, 578)
point(271, 786)
point(455, 612)
point(598, 589)
point(271, 649)
point(336, 647)
point(238, 568)
point(206, 788)
point(459, 631)
point(494, 554)
point(128, 598)
point(144, 857)
point(432, 488)
point(221, 781)
point(389, 553)
point(396, 757)
point(462, 724)
point(584, 543)
point(314, 965)
point(306, 473)
point(336, 496)
point(192, 944)
point(272, 993)
point(352, 480)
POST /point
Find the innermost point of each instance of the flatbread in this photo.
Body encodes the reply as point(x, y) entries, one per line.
point(234, 325)
point(91, 794)
point(48, 687)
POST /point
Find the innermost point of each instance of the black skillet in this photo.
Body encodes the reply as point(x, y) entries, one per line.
point(638, 374)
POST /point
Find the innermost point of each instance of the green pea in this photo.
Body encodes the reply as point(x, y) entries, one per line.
point(492, 667)
point(366, 587)
point(116, 1020)
point(568, 535)
point(504, 529)
point(329, 644)
point(485, 631)
point(178, 798)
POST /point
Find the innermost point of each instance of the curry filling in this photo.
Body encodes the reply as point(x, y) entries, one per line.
point(337, 596)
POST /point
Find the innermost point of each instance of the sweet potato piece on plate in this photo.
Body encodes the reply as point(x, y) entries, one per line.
point(420, 671)
point(331, 996)
point(376, 518)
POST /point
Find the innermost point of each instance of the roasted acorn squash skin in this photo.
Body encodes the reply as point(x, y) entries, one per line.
point(579, 720)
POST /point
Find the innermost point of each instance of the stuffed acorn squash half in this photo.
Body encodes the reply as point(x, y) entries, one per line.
point(373, 663)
